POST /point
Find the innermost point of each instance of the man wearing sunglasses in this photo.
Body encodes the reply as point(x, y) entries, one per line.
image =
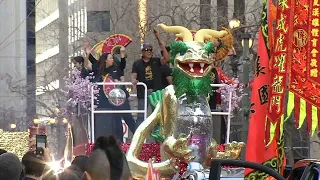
point(148, 70)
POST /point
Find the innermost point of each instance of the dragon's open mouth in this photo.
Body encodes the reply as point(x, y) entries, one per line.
point(196, 68)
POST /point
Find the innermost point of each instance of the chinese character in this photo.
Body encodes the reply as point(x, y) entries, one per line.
point(277, 84)
point(275, 102)
point(263, 94)
point(280, 60)
point(314, 72)
point(313, 63)
point(282, 23)
point(283, 4)
point(315, 32)
point(280, 43)
point(259, 69)
point(316, 2)
point(315, 22)
point(314, 52)
point(315, 12)
point(252, 110)
point(314, 42)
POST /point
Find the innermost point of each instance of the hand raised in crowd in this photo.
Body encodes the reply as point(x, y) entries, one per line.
point(122, 52)
point(87, 48)
point(156, 33)
point(46, 154)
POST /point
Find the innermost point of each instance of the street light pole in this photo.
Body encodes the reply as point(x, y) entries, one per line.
point(234, 65)
point(245, 80)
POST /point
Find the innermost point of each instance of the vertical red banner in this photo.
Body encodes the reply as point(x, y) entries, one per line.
point(313, 63)
point(304, 66)
point(278, 70)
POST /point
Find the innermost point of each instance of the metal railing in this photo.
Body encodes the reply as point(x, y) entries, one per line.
point(93, 111)
point(225, 113)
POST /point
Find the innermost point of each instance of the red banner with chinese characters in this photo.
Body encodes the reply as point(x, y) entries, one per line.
point(278, 69)
point(304, 66)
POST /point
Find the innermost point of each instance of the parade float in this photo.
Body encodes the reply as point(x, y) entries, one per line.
point(181, 110)
point(287, 66)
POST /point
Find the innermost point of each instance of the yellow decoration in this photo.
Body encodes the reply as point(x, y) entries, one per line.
point(52, 121)
point(290, 103)
point(36, 121)
point(203, 34)
point(64, 120)
point(303, 112)
point(314, 120)
point(14, 142)
point(182, 32)
point(13, 126)
point(272, 134)
point(281, 125)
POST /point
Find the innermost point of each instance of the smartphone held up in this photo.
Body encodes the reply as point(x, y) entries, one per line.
point(41, 142)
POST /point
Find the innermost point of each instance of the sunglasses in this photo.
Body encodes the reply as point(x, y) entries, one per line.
point(147, 50)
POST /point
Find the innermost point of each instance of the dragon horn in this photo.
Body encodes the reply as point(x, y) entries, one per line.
point(181, 31)
point(202, 34)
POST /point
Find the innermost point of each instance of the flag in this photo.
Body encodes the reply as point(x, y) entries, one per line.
point(256, 150)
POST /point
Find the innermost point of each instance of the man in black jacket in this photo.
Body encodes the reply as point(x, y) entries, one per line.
point(148, 70)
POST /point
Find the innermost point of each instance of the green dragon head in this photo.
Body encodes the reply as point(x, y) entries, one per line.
point(193, 59)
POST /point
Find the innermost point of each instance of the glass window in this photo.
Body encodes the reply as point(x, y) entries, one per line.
point(98, 21)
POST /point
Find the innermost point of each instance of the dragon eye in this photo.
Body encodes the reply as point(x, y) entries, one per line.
point(182, 53)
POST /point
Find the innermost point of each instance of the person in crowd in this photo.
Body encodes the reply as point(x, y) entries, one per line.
point(45, 157)
point(10, 167)
point(97, 166)
point(78, 63)
point(33, 166)
point(213, 101)
point(119, 52)
point(214, 77)
point(67, 175)
point(2, 151)
point(109, 124)
point(148, 70)
point(118, 163)
point(80, 162)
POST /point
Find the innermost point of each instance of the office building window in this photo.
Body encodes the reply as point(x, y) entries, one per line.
point(98, 21)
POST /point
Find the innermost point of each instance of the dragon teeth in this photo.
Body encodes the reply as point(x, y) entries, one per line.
point(191, 67)
point(201, 65)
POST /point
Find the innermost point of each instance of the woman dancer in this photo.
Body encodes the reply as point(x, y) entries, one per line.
point(108, 124)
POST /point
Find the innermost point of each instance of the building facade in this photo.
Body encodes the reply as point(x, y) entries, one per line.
point(17, 53)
